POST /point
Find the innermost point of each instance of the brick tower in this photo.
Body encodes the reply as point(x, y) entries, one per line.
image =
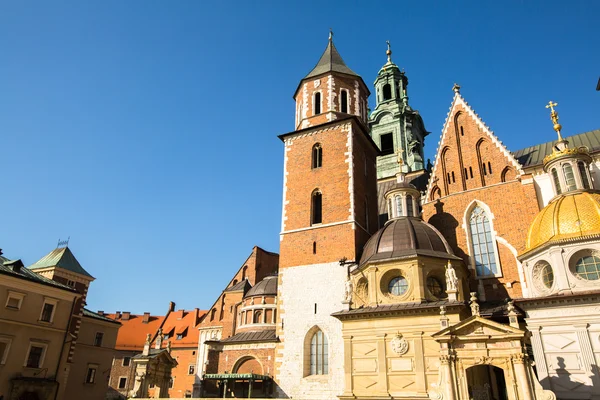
point(329, 212)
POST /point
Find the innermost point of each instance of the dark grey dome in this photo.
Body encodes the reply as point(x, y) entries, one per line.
point(406, 237)
point(266, 287)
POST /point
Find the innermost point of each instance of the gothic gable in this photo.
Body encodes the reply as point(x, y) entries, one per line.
point(477, 327)
point(469, 154)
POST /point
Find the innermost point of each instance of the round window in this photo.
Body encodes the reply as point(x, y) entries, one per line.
point(547, 276)
point(588, 268)
point(435, 287)
point(398, 286)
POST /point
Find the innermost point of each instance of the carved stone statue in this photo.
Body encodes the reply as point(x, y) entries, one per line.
point(451, 278)
point(348, 289)
point(137, 388)
point(474, 304)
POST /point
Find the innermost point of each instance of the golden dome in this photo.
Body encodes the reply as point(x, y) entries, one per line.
point(570, 216)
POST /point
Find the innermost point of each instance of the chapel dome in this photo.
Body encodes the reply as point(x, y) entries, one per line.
point(266, 287)
point(405, 237)
point(570, 216)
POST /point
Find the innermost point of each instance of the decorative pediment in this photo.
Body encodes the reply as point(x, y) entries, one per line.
point(477, 327)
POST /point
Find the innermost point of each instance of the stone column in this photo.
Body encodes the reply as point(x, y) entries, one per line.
point(518, 361)
point(446, 377)
point(348, 390)
point(540, 359)
point(420, 380)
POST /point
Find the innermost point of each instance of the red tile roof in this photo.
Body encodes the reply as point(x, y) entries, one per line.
point(133, 331)
point(185, 324)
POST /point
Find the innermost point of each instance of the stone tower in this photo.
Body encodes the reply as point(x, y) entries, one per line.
point(329, 212)
point(395, 126)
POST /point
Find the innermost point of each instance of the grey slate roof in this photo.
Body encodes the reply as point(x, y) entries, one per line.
point(255, 336)
point(91, 314)
point(243, 285)
point(11, 267)
point(62, 258)
point(268, 286)
point(534, 155)
point(330, 61)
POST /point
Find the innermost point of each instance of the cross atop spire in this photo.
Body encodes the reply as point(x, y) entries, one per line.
point(389, 52)
point(330, 34)
point(554, 118)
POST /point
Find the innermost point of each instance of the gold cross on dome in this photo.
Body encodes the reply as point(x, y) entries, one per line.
point(551, 105)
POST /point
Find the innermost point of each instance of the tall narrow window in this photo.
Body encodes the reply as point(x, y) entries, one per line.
point(453, 180)
point(319, 349)
point(569, 177)
point(344, 101)
point(409, 206)
point(387, 91)
point(466, 174)
point(556, 181)
point(484, 169)
point(462, 131)
point(317, 208)
point(490, 167)
point(317, 107)
point(399, 211)
point(317, 156)
point(471, 172)
point(583, 172)
point(387, 144)
point(482, 240)
point(98, 339)
point(314, 247)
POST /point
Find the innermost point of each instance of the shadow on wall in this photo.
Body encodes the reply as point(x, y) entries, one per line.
point(562, 384)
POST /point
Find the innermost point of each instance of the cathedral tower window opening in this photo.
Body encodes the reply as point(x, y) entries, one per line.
point(556, 181)
point(387, 92)
point(319, 354)
point(583, 172)
point(317, 156)
point(387, 144)
point(569, 177)
point(317, 103)
point(483, 244)
point(489, 167)
point(344, 101)
point(409, 206)
point(316, 208)
point(398, 90)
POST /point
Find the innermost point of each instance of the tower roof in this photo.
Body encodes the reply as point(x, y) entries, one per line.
point(62, 258)
point(330, 61)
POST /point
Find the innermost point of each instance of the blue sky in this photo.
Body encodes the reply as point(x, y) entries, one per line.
point(147, 130)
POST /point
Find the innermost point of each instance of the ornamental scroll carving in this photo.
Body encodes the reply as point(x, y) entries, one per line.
point(399, 344)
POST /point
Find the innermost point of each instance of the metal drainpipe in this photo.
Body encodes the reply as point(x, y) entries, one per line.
point(63, 345)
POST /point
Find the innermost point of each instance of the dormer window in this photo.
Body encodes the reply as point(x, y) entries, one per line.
point(344, 101)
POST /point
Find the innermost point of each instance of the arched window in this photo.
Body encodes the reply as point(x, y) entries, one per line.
point(556, 181)
point(387, 91)
point(244, 271)
point(212, 314)
point(569, 177)
point(344, 107)
point(319, 363)
point(399, 211)
point(317, 208)
point(257, 317)
point(235, 281)
point(482, 241)
point(409, 206)
point(317, 156)
point(583, 172)
point(317, 106)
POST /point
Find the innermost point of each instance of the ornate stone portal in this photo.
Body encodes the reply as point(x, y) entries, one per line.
point(152, 367)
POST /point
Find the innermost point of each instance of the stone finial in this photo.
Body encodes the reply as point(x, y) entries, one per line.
point(443, 317)
point(159, 339)
point(474, 304)
point(512, 314)
point(456, 88)
point(169, 346)
point(147, 345)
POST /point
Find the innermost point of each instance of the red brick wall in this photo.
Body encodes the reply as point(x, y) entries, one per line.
point(464, 151)
point(118, 370)
point(182, 380)
point(332, 180)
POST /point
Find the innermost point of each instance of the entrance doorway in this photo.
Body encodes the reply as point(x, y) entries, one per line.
point(486, 382)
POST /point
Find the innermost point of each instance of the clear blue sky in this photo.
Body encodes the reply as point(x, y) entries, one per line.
point(146, 130)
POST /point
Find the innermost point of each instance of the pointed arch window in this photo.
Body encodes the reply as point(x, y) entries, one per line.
point(316, 208)
point(317, 156)
point(387, 92)
point(344, 101)
point(569, 177)
point(482, 242)
point(556, 181)
point(319, 349)
point(317, 107)
point(583, 172)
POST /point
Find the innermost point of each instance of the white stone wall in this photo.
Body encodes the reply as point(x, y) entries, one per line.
point(301, 288)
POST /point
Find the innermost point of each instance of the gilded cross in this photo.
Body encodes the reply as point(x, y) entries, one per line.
point(551, 105)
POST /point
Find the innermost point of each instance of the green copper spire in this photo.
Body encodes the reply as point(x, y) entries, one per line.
point(395, 126)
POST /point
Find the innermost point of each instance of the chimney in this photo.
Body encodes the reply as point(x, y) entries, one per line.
point(146, 318)
point(100, 312)
point(180, 314)
point(126, 315)
point(117, 314)
point(171, 306)
point(196, 316)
